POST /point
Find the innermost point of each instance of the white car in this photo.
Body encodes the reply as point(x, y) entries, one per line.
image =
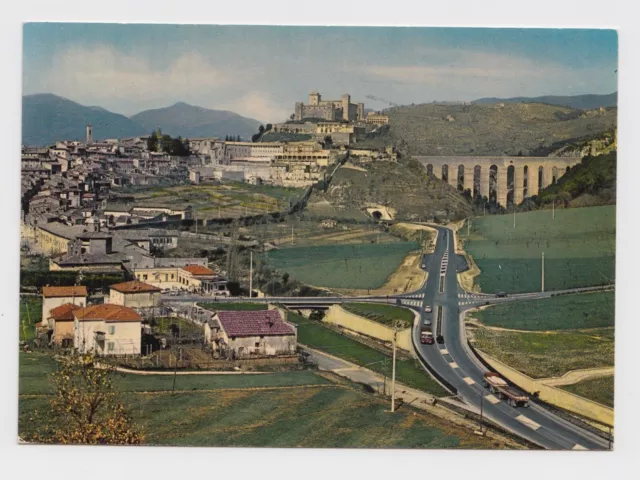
point(427, 308)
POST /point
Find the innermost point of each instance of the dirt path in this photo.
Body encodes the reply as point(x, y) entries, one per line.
point(576, 376)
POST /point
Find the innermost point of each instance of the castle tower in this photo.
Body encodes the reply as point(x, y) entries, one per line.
point(346, 100)
point(314, 98)
point(360, 114)
point(89, 134)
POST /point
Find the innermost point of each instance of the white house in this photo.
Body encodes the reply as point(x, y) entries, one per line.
point(107, 330)
point(246, 333)
point(53, 297)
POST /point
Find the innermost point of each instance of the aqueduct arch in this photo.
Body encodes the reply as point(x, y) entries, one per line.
point(523, 176)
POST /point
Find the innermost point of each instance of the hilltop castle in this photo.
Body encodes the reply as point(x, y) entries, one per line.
point(332, 110)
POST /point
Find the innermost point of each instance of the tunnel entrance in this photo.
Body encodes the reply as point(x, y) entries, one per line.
point(525, 181)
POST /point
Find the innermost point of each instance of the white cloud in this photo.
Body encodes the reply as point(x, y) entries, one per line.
point(485, 73)
point(103, 75)
point(260, 106)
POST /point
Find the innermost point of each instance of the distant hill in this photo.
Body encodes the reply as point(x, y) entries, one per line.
point(182, 119)
point(47, 118)
point(581, 102)
point(512, 129)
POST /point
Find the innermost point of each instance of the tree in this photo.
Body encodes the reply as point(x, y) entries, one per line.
point(285, 278)
point(261, 128)
point(152, 142)
point(86, 409)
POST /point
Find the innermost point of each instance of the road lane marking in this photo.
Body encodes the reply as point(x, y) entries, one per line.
point(528, 422)
point(492, 399)
point(444, 351)
point(453, 365)
point(469, 380)
point(577, 446)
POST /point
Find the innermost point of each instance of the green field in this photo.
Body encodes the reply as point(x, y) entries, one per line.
point(541, 355)
point(228, 307)
point(579, 249)
point(565, 312)
point(598, 389)
point(226, 411)
point(385, 314)
point(342, 266)
point(30, 314)
point(409, 371)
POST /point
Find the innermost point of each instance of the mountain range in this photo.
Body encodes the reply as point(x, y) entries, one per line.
point(580, 102)
point(47, 118)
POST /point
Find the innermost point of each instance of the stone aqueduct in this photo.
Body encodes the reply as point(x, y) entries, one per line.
point(504, 177)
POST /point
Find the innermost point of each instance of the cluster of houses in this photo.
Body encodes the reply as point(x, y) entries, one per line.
point(115, 328)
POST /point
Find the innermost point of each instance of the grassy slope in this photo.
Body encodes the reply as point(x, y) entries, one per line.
point(487, 129)
point(598, 389)
point(317, 336)
point(542, 355)
point(329, 416)
point(590, 310)
point(384, 314)
point(30, 314)
point(342, 266)
point(579, 248)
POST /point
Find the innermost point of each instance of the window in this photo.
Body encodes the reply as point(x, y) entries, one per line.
point(257, 344)
point(144, 277)
point(112, 329)
point(111, 346)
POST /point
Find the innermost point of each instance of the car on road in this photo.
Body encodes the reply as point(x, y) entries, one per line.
point(427, 322)
point(501, 295)
point(426, 338)
point(424, 265)
point(427, 308)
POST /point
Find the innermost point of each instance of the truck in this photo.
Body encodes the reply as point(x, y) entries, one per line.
point(426, 337)
point(501, 389)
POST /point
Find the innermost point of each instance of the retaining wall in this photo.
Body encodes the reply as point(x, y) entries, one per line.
point(555, 396)
point(336, 315)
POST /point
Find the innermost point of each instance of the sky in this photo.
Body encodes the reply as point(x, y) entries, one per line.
point(261, 71)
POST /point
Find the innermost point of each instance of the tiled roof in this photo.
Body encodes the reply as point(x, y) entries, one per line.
point(134, 286)
point(63, 312)
point(254, 323)
point(75, 291)
point(198, 270)
point(108, 313)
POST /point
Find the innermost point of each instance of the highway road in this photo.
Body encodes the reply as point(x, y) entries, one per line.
point(454, 362)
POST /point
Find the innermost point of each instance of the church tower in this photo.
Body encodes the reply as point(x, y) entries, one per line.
point(89, 134)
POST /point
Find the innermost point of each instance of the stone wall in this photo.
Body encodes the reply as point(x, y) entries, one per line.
point(336, 315)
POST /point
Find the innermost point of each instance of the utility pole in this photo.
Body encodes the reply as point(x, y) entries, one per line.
point(514, 215)
point(468, 224)
point(553, 210)
point(292, 232)
point(484, 208)
point(195, 212)
point(219, 211)
point(543, 271)
point(393, 372)
point(250, 273)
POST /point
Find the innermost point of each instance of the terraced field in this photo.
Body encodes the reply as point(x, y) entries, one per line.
point(579, 249)
point(226, 200)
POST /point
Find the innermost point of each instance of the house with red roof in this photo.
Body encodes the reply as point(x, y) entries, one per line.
point(194, 278)
point(53, 297)
point(135, 294)
point(107, 329)
point(60, 322)
point(242, 334)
